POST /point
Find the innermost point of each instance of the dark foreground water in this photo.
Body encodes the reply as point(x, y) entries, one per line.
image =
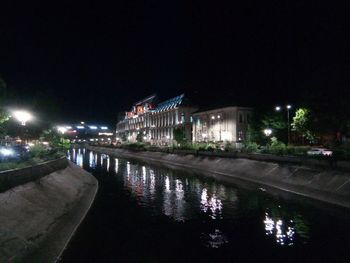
point(144, 213)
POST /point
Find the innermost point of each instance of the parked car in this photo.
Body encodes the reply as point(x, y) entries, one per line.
point(319, 151)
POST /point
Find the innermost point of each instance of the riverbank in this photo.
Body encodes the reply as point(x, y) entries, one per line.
point(39, 217)
point(326, 185)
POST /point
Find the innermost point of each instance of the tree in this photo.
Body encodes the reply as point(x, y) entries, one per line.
point(302, 124)
point(139, 137)
point(179, 135)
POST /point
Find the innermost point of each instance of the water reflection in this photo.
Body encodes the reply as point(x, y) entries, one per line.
point(185, 198)
point(79, 158)
point(284, 230)
point(211, 204)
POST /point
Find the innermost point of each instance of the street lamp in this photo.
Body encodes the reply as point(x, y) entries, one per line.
point(62, 129)
point(288, 107)
point(22, 116)
point(267, 132)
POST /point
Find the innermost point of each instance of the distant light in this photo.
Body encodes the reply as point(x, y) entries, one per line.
point(167, 136)
point(93, 127)
point(267, 132)
point(45, 143)
point(105, 133)
point(80, 127)
point(68, 127)
point(289, 107)
point(212, 117)
point(204, 135)
point(91, 140)
point(61, 129)
point(278, 108)
point(109, 139)
point(82, 122)
point(7, 152)
point(22, 116)
point(219, 116)
point(104, 128)
point(144, 137)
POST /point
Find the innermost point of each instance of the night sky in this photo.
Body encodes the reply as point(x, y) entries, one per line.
point(95, 60)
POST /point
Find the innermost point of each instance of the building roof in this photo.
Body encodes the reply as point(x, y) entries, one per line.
point(169, 104)
point(148, 99)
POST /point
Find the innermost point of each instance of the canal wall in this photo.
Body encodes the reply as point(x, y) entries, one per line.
point(38, 218)
point(15, 177)
point(323, 184)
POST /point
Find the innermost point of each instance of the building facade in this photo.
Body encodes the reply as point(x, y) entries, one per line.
point(155, 122)
point(223, 124)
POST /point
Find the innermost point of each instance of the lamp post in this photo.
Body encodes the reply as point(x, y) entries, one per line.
point(22, 116)
point(267, 132)
point(288, 107)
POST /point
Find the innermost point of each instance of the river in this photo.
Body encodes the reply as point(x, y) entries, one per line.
point(145, 213)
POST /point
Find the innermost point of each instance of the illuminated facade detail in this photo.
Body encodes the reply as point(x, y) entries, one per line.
point(224, 124)
point(156, 122)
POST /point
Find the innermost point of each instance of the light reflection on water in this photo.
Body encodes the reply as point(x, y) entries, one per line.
point(184, 198)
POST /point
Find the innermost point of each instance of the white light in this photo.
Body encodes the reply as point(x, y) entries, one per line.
point(45, 143)
point(6, 152)
point(91, 140)
point(68, 127)
point(93, 127)
point(82, 122)
point(61, 129)
point(105, 133)
point(104, 128)
point(204, 135)
point(80, 127)
point(278, 108)
point(289, 107)
point(144, 137)
point(168, 137)
point(212, 117)
point(219, 116)
point(22, 116)
point(267, 132)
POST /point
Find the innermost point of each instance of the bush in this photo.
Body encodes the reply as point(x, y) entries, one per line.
point(277, 147)
point(250, 147)
point(38, 151)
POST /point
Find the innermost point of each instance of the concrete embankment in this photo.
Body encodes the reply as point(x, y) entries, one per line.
point(38, 218)
point(330, 186)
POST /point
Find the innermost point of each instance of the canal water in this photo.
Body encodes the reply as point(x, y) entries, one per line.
point(145, 213)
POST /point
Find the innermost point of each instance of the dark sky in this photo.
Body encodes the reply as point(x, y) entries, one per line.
point(97, 59)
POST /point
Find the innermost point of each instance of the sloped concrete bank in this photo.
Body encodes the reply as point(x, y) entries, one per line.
point(39, 218)
point(326, 185)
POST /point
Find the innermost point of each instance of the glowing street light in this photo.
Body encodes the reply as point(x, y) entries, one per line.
point(267, 132)
point(61, 129)
point(22, 116)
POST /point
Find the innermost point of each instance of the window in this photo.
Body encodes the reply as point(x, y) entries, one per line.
point(182, 117)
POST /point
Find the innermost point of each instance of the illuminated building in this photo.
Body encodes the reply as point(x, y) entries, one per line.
point(222, 124)
point(155, 122)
